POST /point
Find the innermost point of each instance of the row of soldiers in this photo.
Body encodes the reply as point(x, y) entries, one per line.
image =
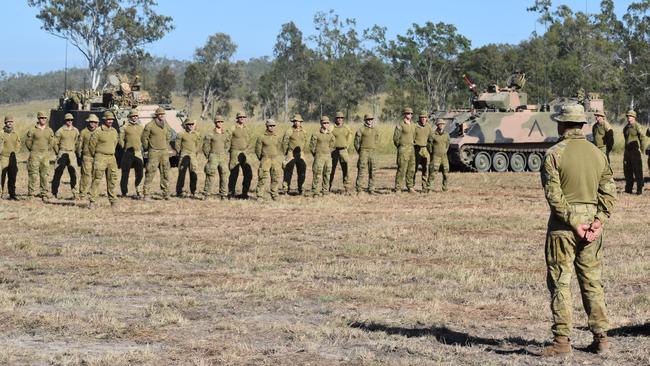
point(420, 148)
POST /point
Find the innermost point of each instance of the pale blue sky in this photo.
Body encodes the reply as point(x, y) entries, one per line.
point(254, 25)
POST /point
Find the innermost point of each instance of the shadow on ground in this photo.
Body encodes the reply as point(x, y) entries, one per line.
point(636, 330)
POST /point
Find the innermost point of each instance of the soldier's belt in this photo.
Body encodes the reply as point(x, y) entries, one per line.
point(152, 149)
point(101, 153)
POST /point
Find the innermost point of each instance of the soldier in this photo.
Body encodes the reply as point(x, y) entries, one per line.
point(438, 145)
point(423, 131)
point(403, 138)
point(65, 142)
point(131, 143)
point(239, 144)
point(188, 145)
point(580, 191)
point(39, 142)
point(102, 148)
point(268, 149)
point(156, 137)
point(603, 134)
point(321, 146)
point(365, 142)
point(10, 146)
point(342, 138)
point(632, 163)
point(86, 159)
point(293, 143)
point(215, 146)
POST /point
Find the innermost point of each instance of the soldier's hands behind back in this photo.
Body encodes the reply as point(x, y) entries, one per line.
point(582, 230)
point(594, 231)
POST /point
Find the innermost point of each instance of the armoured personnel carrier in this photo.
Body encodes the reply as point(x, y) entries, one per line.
point(502, 132)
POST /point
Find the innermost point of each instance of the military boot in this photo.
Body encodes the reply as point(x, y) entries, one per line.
point(600, 345)
point(561, 347)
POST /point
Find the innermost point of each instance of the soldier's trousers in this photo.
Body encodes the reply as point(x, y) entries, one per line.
point(340, 156)
point(269, 167)
point(301, 169)
point(422, 164)
point(38, 166)
point(9, 166)
point(439, 163)
point(86, 176)
point(158, 161)
point(564, 254)
point(633, 170)
point(366, 165)
point(105, 166)
point(131, 160)
point(66, 159)
point(321, 170)
point(239, 160)
point(187, 162)
point(405, 167)
point(217, 164)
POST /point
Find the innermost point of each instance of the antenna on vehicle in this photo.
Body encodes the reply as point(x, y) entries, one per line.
point(65, 72)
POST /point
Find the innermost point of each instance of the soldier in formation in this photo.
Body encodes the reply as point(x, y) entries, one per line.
point(603, 134)
point(215, 148)
point(321, 146)
point(39, 142)
point(239, 144)
point(342, 138)
point(102, 148)
point(365, 142)
point(131, 143)
point(188, 144)
point(268, 149)
point(9, 147)
point(438, 145)
point(293, 144)
point(156, 138)
point(404, 138)
point(423, 131)
point(65, 143)
point(635, 141)
point(87, 160)
point(580, 191)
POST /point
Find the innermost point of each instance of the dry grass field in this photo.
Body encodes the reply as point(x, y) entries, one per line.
point(444, 278)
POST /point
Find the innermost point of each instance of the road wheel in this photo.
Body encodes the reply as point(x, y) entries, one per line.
point(518, 162)
point(482, 161)
point(500, 162)
point(534, 162)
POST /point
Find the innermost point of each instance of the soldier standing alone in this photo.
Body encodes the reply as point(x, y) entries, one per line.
point(10, 142)
point(215, 146)
point(239, 143)
point(342, 139)
point(438, 145)
point(86, 159)
point(102, 148)
point(65, 142)
point(39, 141)
point(131, 143)
point(365, 142)
point(580, 191)
point(635, 141)
point(188, 145)
point(156, 138)
point(268, 149)
point(403, 138)
point(321, 146)
point(423, 131)
point(293, 143)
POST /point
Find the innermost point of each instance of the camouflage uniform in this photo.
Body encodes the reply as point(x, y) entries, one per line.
point(131, 143)
point(403, 138)
point(65, 142)
point(102, 147)
point(188, 145)
point(156, 138)
point(39, 142)
point(635, 141)
point(86, 159)
point(603, 135)
point(10, 142)
point(215, 146)
point(438, 145)
point(579, 188)
point(342, 138)
point(321, 146)
point(422, 158)
point(239, 143)
point(268, 149)
point(293, 143)
point(365, 142)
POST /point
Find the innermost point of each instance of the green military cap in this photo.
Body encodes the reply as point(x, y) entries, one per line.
point(424, 114)
point(68, 116)
point(339, 115)
point(367, 116)
point(571, 113)
point(440, 121)
point(270, 122)
point(109, 115)
point(160, 111)
point(407, 110)
point(599, 113)
point(324, 119)
point(630, 113)
point(241, 114)
point(218, 118)
point(296, 117)
point(41, 114)
point(189, 122)
point(9, 119)
point(92, 118)
point(133, 113)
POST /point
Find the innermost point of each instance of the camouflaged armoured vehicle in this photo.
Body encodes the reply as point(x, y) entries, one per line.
point(502, 132)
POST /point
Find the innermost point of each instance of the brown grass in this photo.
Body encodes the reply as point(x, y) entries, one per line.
point(444, 278)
